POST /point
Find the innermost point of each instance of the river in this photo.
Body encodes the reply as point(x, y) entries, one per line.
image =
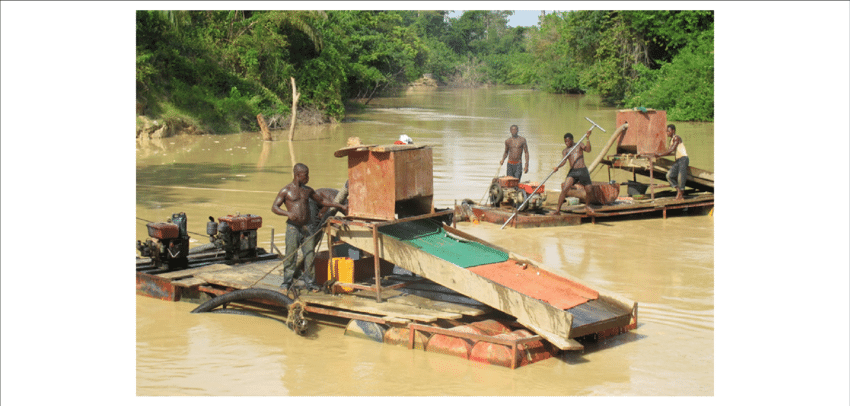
point(666, 265)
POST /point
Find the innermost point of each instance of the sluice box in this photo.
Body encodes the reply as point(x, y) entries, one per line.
point(647, 132)
point(389, 180)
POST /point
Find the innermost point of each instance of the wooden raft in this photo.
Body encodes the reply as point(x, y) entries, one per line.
point(266, 275)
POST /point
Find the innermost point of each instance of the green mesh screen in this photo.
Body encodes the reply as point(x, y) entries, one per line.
point(430, 237)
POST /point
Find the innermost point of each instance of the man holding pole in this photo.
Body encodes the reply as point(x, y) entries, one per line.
point(578, 171)
point(515, 146)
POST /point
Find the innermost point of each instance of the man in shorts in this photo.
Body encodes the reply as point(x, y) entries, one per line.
point(515, 146)
point(578, 170)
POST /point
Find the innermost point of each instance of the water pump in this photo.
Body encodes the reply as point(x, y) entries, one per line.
point(507, 191)
point(236, 235)
point(168, 246)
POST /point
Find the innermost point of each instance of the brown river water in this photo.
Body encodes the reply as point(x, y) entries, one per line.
point(666, 265)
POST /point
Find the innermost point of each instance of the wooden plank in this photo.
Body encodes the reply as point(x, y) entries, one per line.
point(565, 344)
point(423, 303)
point(364, 305)
point(241, 277)
point(247, 275)
point(385, 293)
point(189, 282)
point(193, 271)
point(396, 320)
point(660, 169)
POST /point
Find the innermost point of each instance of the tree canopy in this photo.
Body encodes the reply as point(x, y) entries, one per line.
point(225, 67)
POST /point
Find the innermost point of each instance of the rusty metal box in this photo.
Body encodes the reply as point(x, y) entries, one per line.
point(384, 181)
point(508, 181)
point(242, 222)
point(163, 230)
point(647, 132)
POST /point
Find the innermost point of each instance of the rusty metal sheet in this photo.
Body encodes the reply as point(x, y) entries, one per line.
point(522, 220)
point(647, 132)
point(413, 173)
point(379, 180)
point(156, 287)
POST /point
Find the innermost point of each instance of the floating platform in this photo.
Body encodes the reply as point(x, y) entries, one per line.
point(454, 294)
point(571, 215)
point(657, 168)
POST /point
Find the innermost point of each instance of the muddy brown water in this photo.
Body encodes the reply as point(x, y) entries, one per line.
point(666, 265)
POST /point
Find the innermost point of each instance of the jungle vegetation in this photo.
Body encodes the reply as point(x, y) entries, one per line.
point(222, 68)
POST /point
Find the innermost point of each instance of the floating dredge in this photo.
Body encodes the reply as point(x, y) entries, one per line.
point(639, 133)
point(396, 272)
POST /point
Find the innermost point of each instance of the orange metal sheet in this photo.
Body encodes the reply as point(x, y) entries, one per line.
point(537, 283)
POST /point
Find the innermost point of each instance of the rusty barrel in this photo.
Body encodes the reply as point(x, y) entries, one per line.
point(498, 354)
point(456, 346)
point(534, 351)
point(491, 327)
point(401, 336)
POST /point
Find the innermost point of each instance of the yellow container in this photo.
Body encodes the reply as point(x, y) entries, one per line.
point(341, 269)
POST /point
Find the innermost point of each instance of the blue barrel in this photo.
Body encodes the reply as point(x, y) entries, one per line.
point(366, 329)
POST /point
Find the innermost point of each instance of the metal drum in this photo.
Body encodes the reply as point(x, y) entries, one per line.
point(401, 336)
point(456, 346)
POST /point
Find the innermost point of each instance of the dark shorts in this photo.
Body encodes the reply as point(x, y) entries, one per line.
point(581, 175)
point(515, 170)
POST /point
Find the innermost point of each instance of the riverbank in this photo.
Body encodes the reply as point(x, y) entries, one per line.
point(148, 127)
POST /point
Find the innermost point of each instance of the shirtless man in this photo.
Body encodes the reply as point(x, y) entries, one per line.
point(296, 197)
point(515, 146)
point(578, 171)
point(679, 171)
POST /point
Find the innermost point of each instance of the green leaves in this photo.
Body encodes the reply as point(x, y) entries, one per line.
point(659, 59)
point(191, 61)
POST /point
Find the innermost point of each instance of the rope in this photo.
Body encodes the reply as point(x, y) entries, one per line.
point(284, 259)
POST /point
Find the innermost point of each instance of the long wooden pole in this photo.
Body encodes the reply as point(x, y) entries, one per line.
point(377, 265)
point(295, 96)
point(604, 150)
point(544, 181)
point(264, 128)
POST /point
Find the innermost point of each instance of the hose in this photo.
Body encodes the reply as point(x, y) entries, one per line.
point(202, 248)
point(295, 318)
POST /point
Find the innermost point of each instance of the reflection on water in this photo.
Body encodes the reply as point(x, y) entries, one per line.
point(667, 266)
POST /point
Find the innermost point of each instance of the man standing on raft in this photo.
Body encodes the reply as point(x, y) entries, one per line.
point(296, 197)
point(578, 171)
point(678, 173)
point(515, 146)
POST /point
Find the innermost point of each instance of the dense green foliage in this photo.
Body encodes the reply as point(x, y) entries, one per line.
point(222, 68)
